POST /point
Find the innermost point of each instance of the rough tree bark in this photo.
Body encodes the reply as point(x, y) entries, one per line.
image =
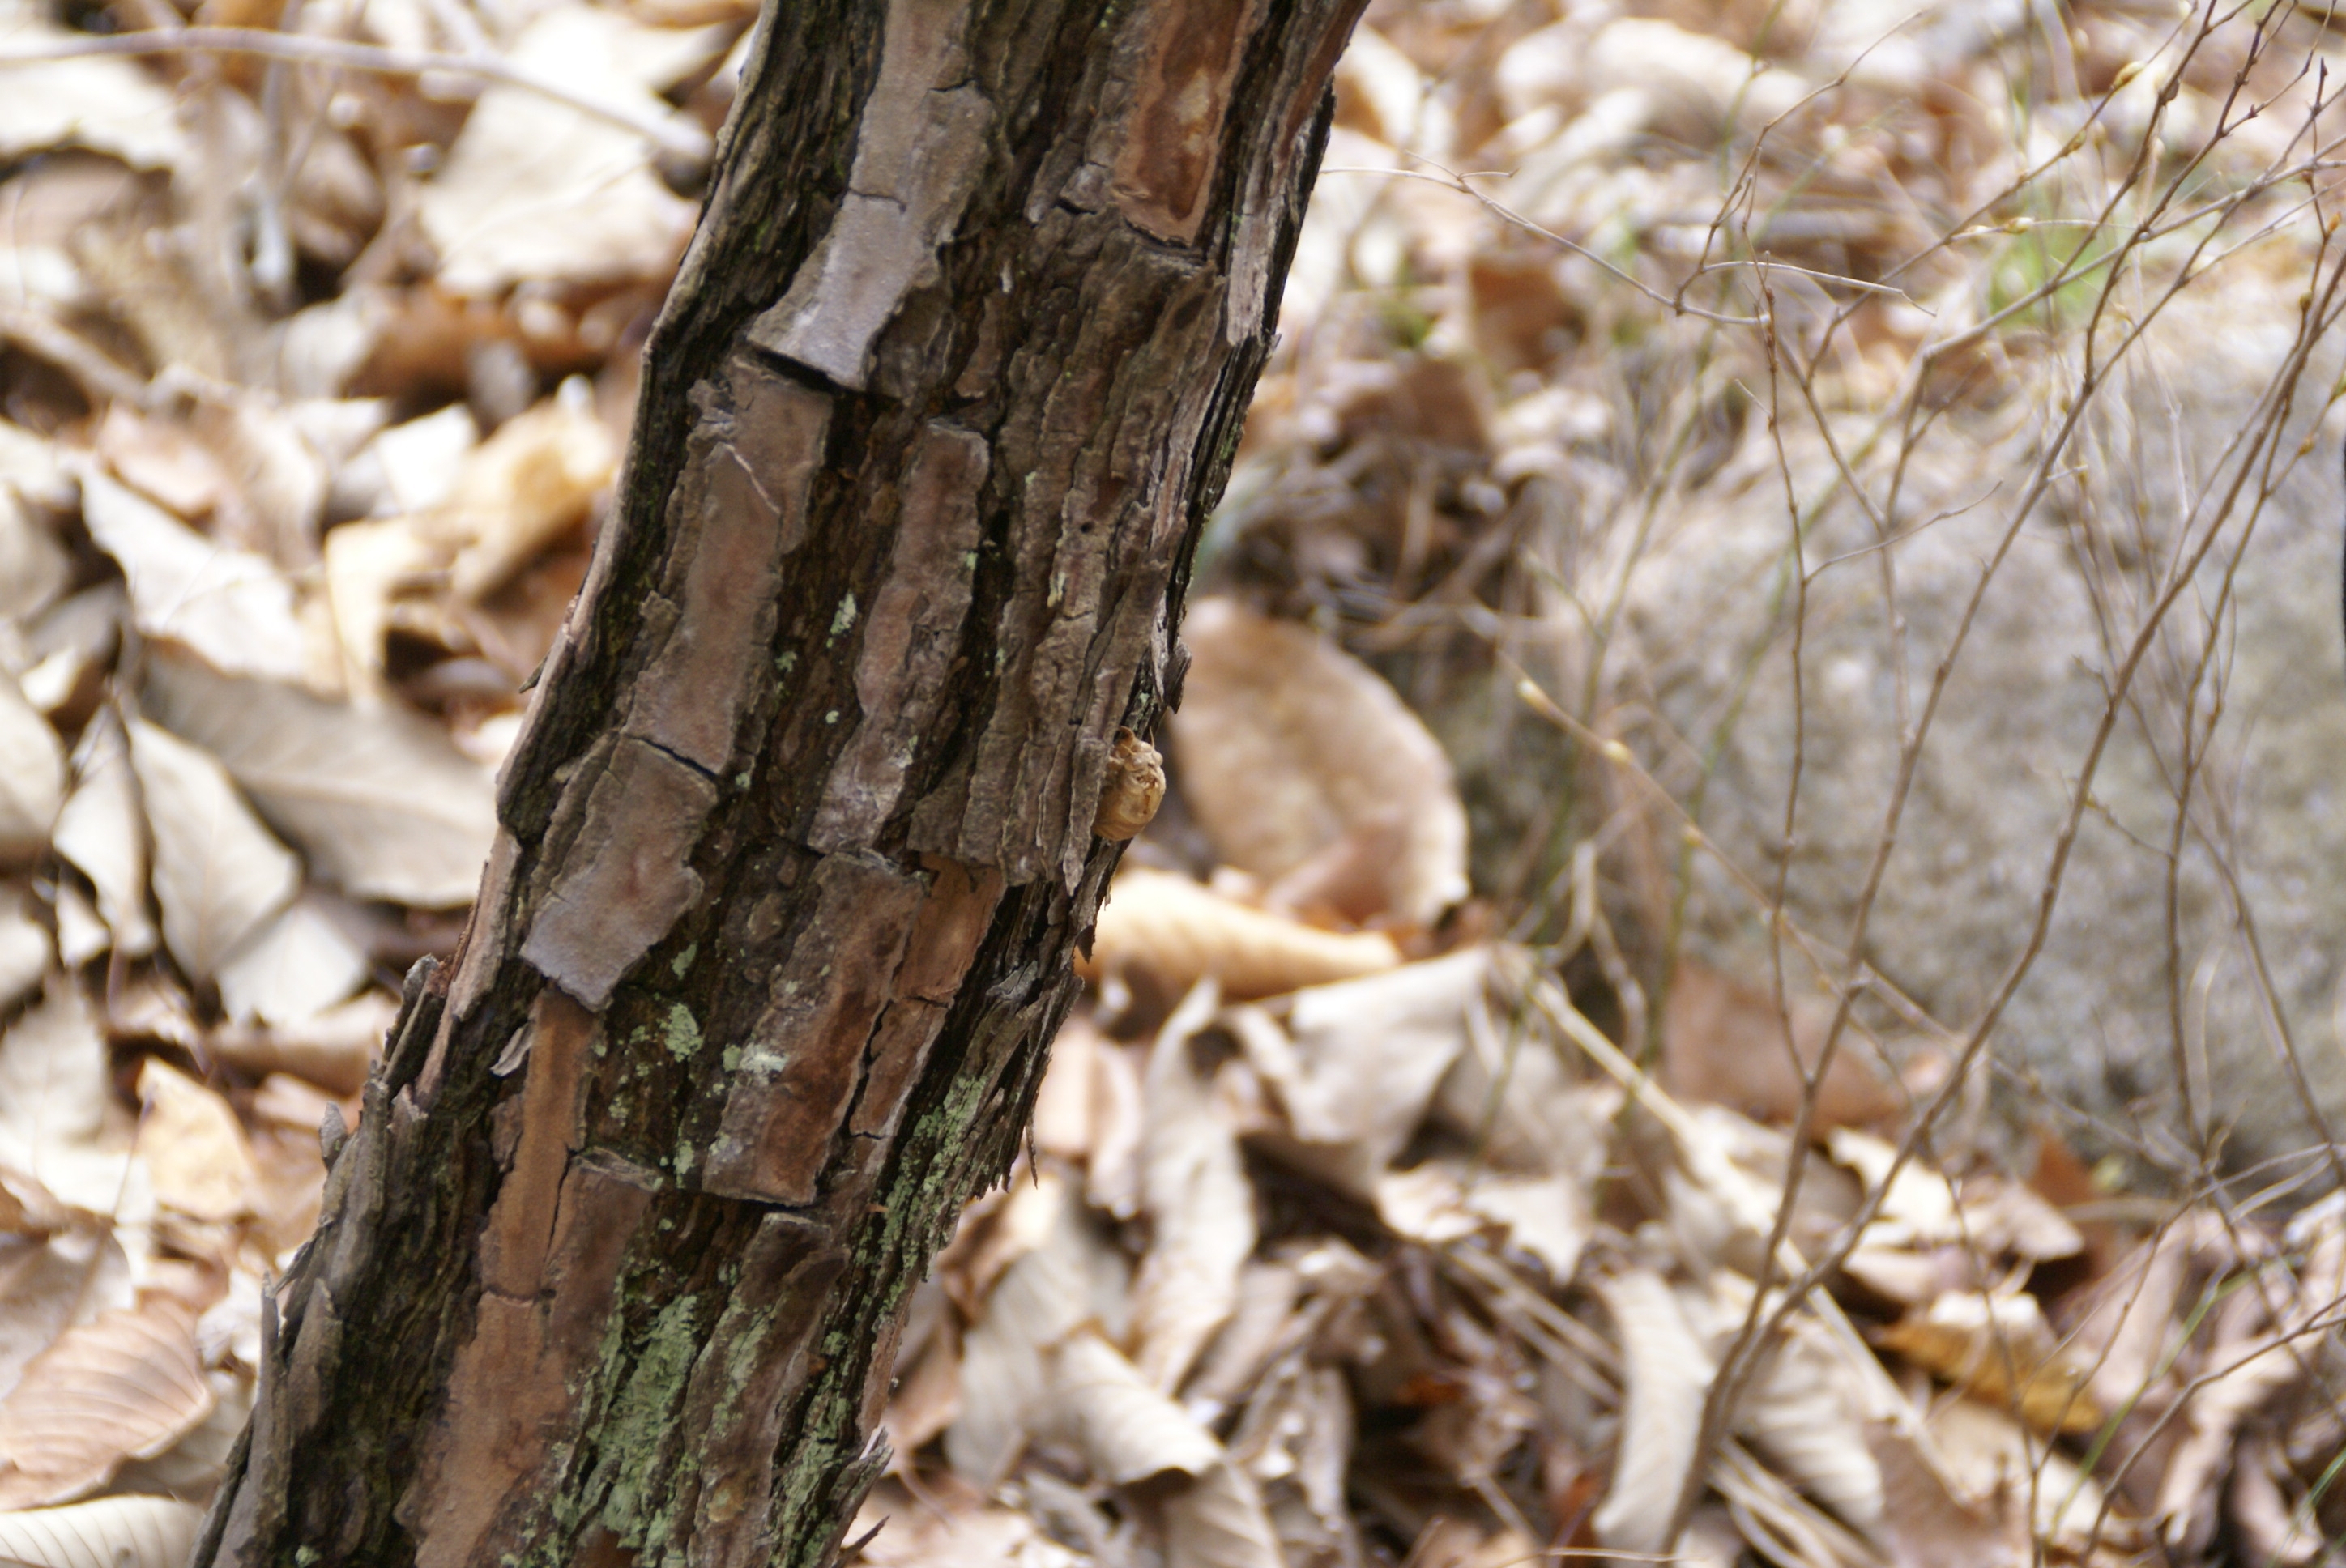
point(798, 835)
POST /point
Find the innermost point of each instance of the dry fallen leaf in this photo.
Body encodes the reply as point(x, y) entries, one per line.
point(1066, 1105)
point(53, 1085)
point(383, 805)
point(1358, 1061)
point(33, 567)
point(1999, 1349)
point(371, 568)
point(67, 1269)
point(1175, 932)
point(332, 1049)
point(1668, 1373)
point(232, 606)
point(103, 832)
point(1803, 1412)
point(1202, 1208)
point(1442, 1201)
point(128, 1386)
point(1217, 1521)
point(1992, 1462)
point(1285, 743)
point(194, 1147)
point(949, 1524)
point(1724, 1044)
point(535, 189)
point(1295, 1441)
point(107, 106)
point(32, 775)
point(1926, 1525)
point(1125, 1428)
point(219, 874)
point(522, 488)
point(107, 1533)
point(294, 969)
point(1069, 1277)
point(24, 947)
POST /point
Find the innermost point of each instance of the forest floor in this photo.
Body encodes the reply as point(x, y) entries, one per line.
point(1435, 1175)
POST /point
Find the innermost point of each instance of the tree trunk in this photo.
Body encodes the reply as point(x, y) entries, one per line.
point(798, 833)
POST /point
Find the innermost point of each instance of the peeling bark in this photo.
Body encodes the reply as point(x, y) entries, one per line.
point(799, 831)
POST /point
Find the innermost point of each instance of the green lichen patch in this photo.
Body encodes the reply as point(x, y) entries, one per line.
point(681, 1033)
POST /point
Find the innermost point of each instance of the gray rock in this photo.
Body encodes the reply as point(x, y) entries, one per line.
point(2107, 1009)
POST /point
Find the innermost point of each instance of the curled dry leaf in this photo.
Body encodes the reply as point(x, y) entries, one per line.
point(1358, 1061)
point(1442, 1201)
point(1199, 1201)
point(1285, 743)
point(380, 801)
point(2000, 1350)
point(1666, 1371)
point(1217, 1521)
point(128, 1386)
point(219, 874)
point(107, 1533)
point(1125, 1430)
point(1177, 932)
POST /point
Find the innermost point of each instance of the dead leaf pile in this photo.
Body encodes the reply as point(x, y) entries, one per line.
point(1421, 1263)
